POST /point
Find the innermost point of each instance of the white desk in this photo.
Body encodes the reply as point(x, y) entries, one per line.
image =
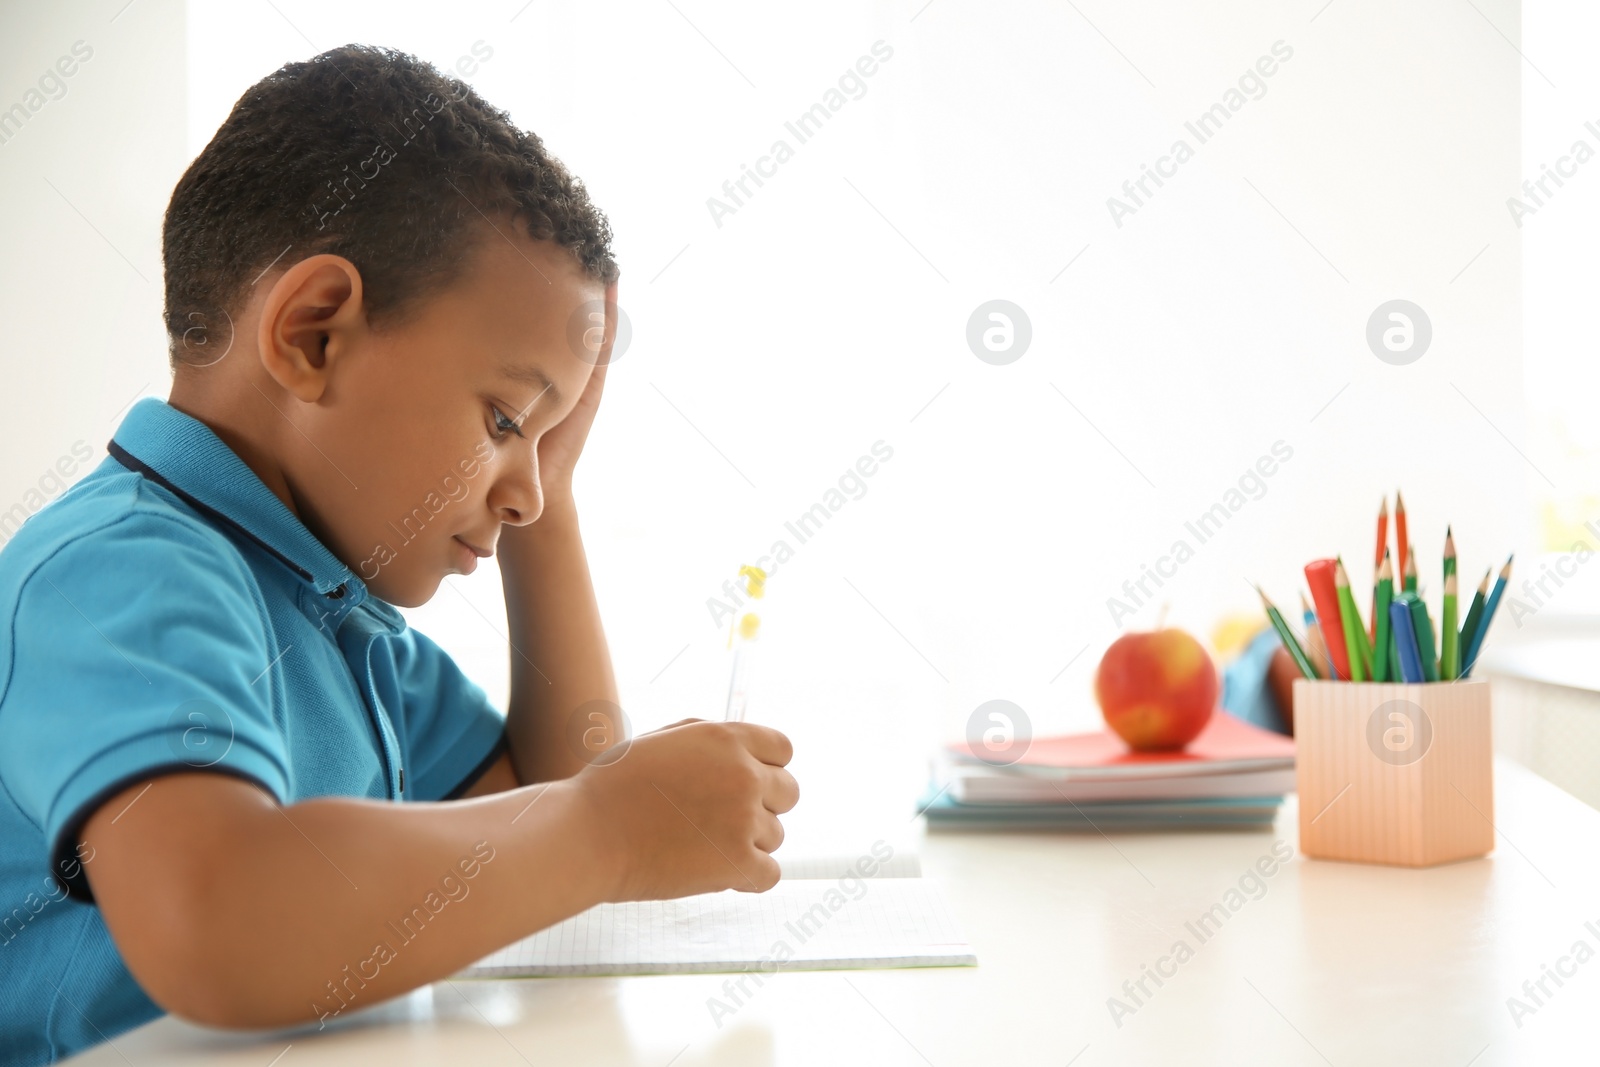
point(1335, 963)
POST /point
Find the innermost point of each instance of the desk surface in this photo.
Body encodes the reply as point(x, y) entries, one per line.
point(1332, 963)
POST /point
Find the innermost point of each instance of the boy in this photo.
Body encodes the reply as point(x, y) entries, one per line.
point(385, 304)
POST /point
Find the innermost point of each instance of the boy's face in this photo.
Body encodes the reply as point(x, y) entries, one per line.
point(409, 461)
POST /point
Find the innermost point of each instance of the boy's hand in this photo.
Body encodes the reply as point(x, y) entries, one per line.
point(559, 448)
point(691, 808)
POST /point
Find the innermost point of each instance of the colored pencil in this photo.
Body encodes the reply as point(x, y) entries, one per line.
point(1382, 638)
point(1488, 617)
point(1423, 626)
point(1449, 650)
point(1474, 617)
point(1402, 542)
point(1319, 576)
point(1409, 665)
point(1286, 635)
point(1400, 642)
point(1377, 560)
point(1316, 648)
point(1355, 636)
point(1383, 533)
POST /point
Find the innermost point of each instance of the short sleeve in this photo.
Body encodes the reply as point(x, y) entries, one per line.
point(448, 730)
point(136, 650)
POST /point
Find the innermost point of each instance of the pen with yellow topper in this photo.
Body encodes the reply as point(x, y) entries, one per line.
point(742, 633)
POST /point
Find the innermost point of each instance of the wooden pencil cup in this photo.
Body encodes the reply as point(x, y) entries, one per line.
point(1395, 774)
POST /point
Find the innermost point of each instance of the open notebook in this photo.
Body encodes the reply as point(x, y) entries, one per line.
point(820, 916)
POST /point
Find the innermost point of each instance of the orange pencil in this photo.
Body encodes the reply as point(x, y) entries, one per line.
point(1383, 533)
point(1377, 561)
point(1403, 557)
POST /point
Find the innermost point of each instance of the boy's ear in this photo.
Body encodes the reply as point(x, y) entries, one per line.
point(311, 315)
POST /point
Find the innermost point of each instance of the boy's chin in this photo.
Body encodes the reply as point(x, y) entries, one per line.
point(406, 591)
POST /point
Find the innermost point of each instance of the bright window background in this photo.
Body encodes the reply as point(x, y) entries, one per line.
point(1561, 107)
point(829, 312)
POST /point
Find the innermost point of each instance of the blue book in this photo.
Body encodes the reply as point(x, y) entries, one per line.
point(1209, 813)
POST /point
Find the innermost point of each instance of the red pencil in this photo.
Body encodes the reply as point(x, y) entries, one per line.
point(1319, 575)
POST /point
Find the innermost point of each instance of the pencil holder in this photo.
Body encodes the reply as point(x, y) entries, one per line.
point(1395, 774)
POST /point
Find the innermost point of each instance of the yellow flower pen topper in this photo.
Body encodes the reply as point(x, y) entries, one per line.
point(741, 637)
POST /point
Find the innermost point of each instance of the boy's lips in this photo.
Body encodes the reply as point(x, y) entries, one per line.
point(481, 553)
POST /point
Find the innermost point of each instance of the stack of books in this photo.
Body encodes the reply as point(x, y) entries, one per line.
point(1233, 776)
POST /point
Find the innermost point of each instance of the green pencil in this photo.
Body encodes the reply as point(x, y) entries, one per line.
point(1381, 641)
point(1409, 566)
point(1404, 585)
point(1355, 635)
point(1474, 615)
point(1424, 628)
point(1449, 650)
point(1286, 635)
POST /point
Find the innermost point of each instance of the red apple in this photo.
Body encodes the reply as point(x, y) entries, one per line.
point(1156, 689)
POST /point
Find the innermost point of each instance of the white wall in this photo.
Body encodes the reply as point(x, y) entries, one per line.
point(84, 181)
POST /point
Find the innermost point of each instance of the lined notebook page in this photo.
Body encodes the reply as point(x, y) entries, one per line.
point(885, 922)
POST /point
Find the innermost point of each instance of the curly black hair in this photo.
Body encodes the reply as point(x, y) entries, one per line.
point(370, 154)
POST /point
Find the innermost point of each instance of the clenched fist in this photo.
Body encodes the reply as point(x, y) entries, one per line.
point(690, 808)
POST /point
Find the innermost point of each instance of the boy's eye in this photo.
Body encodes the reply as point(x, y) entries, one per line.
point(502, 424)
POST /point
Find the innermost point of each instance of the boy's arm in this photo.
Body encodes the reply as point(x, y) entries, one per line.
point(231, 910)
point(559, 658)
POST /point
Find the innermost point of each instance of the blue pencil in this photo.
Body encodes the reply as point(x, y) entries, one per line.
point(1471, 657)
point(1405, 638)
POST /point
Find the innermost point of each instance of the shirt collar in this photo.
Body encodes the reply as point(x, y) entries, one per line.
point(182, 454)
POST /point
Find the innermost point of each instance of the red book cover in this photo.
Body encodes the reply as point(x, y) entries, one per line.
point(1225, 745)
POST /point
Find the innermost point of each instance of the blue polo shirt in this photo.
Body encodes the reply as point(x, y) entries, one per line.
point(169, 613)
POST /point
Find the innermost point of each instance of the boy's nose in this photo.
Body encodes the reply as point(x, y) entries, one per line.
point(517, 495)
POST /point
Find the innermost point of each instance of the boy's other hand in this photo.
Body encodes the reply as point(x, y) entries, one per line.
point(560, 447)
point(691, 808)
